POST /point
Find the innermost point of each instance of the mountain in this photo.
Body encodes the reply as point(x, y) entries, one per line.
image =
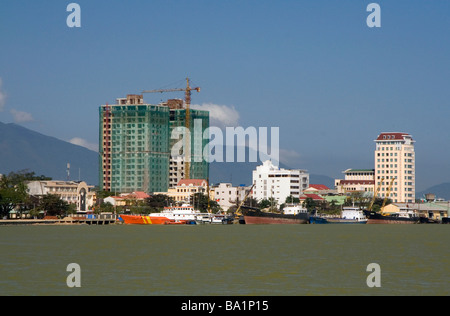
point(21, 149)
point(442, 191)
point(239, 173)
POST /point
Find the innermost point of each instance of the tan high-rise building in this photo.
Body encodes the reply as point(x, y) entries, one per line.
point(395, 163)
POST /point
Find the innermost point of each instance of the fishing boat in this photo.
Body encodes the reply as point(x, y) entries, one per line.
point(185, 214)
point(349, 215)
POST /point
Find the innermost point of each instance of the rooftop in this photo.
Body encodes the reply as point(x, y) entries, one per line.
point(359, 170)
point(393, 136)
point(193, 182)
point(319, 187)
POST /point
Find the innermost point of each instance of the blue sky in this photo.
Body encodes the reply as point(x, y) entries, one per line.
point(313, 68)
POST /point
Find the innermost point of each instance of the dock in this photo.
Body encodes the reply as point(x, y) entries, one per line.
point(77, 220)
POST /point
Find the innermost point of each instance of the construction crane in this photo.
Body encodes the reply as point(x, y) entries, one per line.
point(238, 211)
point(187, 102)
point(376, 194)
point(387, 194)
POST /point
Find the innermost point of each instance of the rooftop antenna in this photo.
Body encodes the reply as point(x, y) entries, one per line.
point(68, 171)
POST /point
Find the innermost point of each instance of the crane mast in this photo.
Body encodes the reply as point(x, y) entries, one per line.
point(238, 211)
point(387, 194)
point(375, 194)
point(187, 148)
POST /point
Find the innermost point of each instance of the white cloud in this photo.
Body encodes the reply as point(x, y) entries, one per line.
point(220, 115)
point(84, 143)
point(2, 97)
point(21, 117)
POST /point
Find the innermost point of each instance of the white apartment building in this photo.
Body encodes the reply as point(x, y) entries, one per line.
point(176, 171)
point(226, 195)
point(272, 182)
point(395, 164)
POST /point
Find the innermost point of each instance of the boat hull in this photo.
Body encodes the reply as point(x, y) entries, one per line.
point(377, 218)
point(149, 220)
point(257, 217)
point(321, 220)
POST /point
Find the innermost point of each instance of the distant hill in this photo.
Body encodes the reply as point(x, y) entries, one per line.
point(442, 191)
point(241, 173)
point(21, 149)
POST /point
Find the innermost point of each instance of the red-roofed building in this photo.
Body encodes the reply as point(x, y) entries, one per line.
point(193, 182)
point(127, 199)
point(393, 136)
point(186, 188)
point(138, 195)
point(319, 189)
point(315, 197)
point(356, 180)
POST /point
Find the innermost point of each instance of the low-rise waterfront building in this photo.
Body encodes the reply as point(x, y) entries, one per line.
point(226, 195)
point(185, 189)
point(431, 210)
point(319, 189)
point(356, 180)
point(127, 199)
point(72, 192)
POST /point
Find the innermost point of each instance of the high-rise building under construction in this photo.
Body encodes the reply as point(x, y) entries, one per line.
point(136, 145)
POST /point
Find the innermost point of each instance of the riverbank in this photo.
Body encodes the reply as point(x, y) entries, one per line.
point(64, 221)
point(225, 260)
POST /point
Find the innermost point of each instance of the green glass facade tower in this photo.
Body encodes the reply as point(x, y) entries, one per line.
point(135, 145)
point(199, 167)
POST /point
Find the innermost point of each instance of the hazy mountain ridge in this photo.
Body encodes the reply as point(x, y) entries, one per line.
point(21, 148)
point(442, 191)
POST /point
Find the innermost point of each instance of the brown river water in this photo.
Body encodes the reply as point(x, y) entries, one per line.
point(237, 260)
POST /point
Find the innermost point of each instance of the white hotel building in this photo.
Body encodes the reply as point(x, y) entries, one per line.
point(271, 181)
point(395, 162)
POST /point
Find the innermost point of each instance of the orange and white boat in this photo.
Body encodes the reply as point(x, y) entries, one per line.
point(170, 215)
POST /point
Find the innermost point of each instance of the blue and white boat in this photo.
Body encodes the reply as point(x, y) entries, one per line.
point(349, 215)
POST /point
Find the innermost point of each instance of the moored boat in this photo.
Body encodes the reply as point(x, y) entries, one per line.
point(256, 216)
point(349, 215)
point(184, 214)
point(403, 216)
point(215, 219)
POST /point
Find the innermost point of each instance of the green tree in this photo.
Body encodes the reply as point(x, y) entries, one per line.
point(156, 203)
point(269, 203)
point(13, 193)
point(53, 205)
point(292, 200)
point(309, 204)
point(200, 202)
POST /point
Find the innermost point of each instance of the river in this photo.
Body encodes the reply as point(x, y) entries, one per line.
point(204, 260)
